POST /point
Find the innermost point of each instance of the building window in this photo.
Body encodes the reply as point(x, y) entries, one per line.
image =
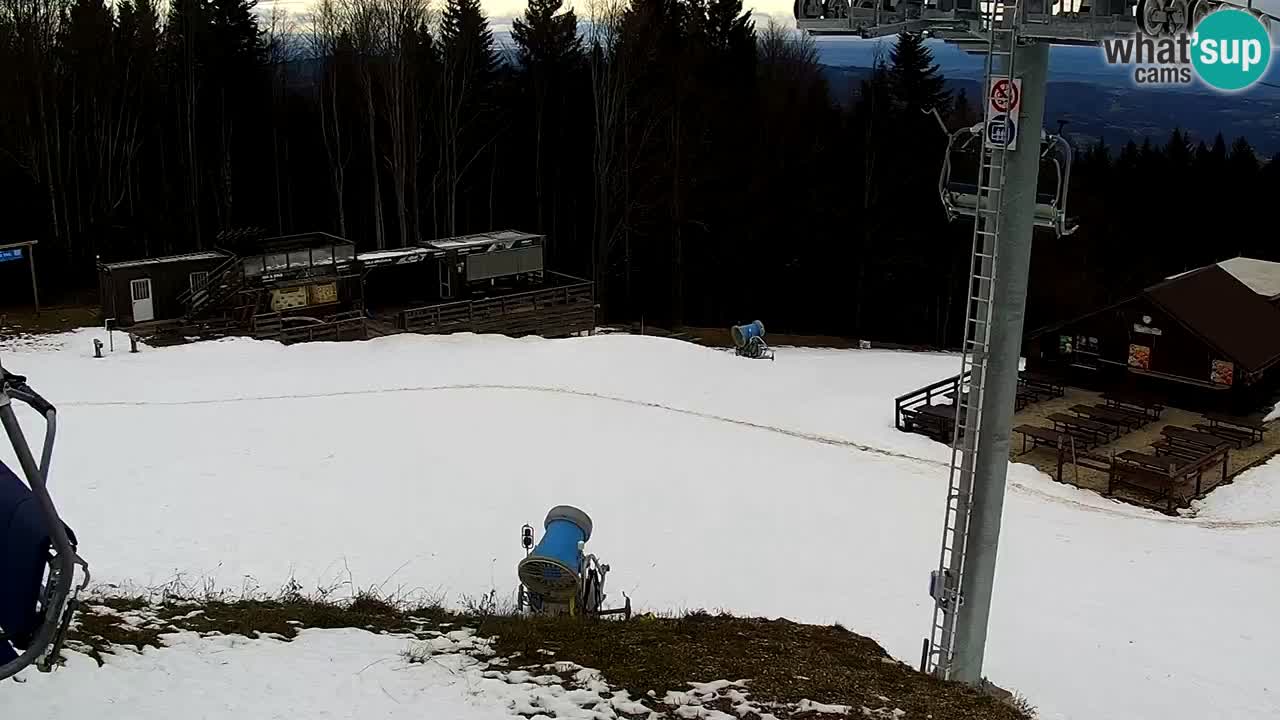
point(198, 280)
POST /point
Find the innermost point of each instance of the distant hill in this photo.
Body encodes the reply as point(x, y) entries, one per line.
point(1097, 99)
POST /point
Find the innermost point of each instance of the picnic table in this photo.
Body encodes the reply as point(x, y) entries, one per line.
point(1090, 431)
point(1110, 415)
point(1154, 487)
point(938, 421)
point(1247, 429)
point(1037, 384)
point(1038, 436)
point(1130, 401)
point(1161, 463)
point(1194, 438)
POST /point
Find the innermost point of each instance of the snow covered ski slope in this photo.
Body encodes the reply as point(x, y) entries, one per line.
point(775, 489)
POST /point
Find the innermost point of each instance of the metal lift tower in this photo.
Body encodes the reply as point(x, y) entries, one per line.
point(1014, 35)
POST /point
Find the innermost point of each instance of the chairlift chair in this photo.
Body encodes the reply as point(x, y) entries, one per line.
point(961, 198)
point(37, 551)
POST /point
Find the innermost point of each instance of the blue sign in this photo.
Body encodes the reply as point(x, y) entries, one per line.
point(10, 254)
point(1002, 131)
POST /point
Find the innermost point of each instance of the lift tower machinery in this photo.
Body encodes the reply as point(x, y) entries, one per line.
point(1014, 36)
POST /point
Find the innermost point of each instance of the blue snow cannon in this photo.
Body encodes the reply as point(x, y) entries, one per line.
point(748, 341)
point(743, 334)
point(552, 569)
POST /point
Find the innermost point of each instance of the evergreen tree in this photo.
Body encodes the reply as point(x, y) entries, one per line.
point(466, 127)
point(917, 83)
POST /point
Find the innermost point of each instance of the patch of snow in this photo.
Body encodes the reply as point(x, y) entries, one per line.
point(822, 708)
point(1252, 495)
point(402, 462)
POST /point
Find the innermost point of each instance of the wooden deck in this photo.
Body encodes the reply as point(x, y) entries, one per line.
point(1134, 447)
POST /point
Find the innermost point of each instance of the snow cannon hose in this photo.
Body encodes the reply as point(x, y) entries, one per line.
point(551, 570)
point(742, 334)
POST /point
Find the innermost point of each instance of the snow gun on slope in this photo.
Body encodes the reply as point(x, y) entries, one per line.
point(37, 551)
point(748, 341)
point(556, 577)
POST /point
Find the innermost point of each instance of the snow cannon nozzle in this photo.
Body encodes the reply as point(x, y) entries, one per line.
point(742, 334)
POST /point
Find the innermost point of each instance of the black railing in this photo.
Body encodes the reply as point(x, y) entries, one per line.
point(953, 386)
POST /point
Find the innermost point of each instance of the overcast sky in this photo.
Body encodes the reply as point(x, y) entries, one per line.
point(501, 11)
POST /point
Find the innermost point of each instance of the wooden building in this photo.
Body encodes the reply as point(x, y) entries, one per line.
point(139, 291)
point(1211, 335)
point(313, 286)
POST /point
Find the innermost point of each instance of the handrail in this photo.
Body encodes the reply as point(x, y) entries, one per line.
point(215, 273)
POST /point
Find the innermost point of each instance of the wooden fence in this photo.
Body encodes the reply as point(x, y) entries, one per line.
point(343, 326)
point(555, 312)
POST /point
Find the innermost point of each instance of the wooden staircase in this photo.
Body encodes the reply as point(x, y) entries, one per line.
point(222, 283)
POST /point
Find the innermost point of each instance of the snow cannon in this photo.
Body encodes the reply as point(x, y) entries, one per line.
point(556, 576)
point(551, 569)
point(748, 341)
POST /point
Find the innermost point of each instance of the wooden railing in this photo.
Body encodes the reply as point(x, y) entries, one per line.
point(552, 312)
point(343, 326)
point(925, 395)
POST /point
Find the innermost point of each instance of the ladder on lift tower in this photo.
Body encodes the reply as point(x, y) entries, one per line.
point(945, 585)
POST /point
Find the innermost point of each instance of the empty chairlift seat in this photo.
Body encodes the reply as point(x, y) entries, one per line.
point(962, 195)
point(24, 555)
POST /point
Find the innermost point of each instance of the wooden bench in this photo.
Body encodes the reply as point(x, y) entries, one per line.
point(1165, 447)
point(1129, 401)
point(1042, 385)
point(1156, 489)
point(1108, 415)
point(1251, 427)
point(1091, 432)
point(1159, 463)
point(1039, 436)
point(1239, 438)
point(1204, 441)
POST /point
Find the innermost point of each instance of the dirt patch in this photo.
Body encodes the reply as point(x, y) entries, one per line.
point(61, 318)
point(796, 670)
point(786, 662)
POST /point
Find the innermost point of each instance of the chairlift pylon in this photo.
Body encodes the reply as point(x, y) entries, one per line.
point(37, 551)
point(961, 198)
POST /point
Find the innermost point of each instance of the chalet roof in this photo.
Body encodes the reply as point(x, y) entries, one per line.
point(1260, 276)
point(143, 262)
point(1225, 312)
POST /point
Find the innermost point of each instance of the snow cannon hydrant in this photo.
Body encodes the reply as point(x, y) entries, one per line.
point(556, 576)
point(748, 341)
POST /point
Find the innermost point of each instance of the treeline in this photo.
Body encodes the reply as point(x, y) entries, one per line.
point(697, 167)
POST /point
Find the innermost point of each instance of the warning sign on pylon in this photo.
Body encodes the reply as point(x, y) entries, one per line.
point(1004, 100)
point(1006, 95)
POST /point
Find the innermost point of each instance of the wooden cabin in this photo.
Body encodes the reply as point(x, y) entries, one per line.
point(149, 289)
point(1208, 336)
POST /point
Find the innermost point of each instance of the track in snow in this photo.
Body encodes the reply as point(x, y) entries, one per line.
point(809, 437)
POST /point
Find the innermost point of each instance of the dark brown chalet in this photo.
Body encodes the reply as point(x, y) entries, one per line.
point(1204, 335)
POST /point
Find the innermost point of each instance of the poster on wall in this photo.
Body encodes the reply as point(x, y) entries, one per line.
point(288, 298)
point(323, 294)
point(1140, 357)
point(1222, 372)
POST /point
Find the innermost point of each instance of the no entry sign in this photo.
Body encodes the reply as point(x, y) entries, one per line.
point(1004, 100)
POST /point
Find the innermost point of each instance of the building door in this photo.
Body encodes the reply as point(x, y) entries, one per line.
point(140, 291)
